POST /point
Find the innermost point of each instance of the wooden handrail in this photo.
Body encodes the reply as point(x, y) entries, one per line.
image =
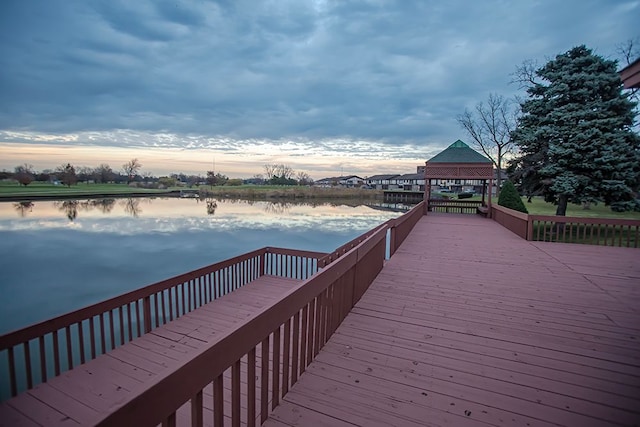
point(400, 227)
point(570, 229)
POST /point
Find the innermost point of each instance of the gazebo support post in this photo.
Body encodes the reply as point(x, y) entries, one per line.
point(427, 196)
point(490, 192)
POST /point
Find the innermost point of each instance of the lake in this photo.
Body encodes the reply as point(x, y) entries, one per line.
point(58, 256)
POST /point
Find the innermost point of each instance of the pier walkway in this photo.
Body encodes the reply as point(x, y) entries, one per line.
point(468, 324)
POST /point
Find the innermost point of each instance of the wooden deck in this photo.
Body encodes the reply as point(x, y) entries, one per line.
point(468, 324)
point(82, 395)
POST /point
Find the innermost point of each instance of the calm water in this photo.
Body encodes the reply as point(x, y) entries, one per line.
point(60, 256)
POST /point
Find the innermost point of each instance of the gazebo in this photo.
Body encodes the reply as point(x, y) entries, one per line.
point(460, 162)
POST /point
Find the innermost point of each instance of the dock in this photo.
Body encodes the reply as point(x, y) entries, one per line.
point(463, 322)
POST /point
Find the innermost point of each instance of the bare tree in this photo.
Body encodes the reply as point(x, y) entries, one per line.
point(67, 174)
point(490, 128)
point(630, 52)
point(131, 169)
point(103, 173)
point(279, 171)
point(24, 174)
point(303, 178)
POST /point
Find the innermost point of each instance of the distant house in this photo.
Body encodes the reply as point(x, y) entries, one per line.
point(630, 75)
point(410, 182)
point(349, 181)
point(380, 182)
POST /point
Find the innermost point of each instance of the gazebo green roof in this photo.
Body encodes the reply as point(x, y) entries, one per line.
point(459, 152)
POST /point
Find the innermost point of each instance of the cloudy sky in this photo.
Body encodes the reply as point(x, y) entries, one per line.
point(324, 86)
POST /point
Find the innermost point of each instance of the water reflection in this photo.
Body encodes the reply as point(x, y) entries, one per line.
point(23, 208)
point(212, 205)
point(69, 207)
point(154, 213)
point(103, 205)
point(132, 206)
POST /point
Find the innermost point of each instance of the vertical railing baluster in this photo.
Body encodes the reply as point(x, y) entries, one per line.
point(286, 357)
point(112, 333)
point(81, 342)
point(218, 401)
point(196, 410)
point(139, 323)
point(27, 364)
point(295, 345)
point(235, 394)
point(92, 337)
point(311, 331)
point(171, 291)
point(12, 372)
point(56, 353)
point(69, 349)
point(156, 306)
point(317, 325)
point(43, 359)
point(275, 368)
point(122, 325)
point(129, 323)
point(170, 421)
point(251, 388)
point(163, 306)
point(264, 381)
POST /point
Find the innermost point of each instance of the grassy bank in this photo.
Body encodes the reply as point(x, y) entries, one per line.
point(37, 189)
point(12, 190)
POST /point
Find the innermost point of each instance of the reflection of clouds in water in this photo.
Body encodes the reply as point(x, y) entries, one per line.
point(129, 226)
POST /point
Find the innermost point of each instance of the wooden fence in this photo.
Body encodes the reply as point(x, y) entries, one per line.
point(567, 229)
point(33, 354)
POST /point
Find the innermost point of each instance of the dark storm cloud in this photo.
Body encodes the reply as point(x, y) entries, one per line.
point(394, 72)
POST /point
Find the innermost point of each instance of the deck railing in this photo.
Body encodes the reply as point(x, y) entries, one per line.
point(568, 229)
point(510, 219)
point(400, 227)
point(454, 206)
point(31, 355)
point(592, 231)
point(287, 335)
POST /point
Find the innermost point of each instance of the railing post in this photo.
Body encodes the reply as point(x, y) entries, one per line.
point(392, 240)
point(529, 228)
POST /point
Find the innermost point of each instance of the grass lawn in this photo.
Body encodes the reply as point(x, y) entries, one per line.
point(13, 189)
point(539, 207)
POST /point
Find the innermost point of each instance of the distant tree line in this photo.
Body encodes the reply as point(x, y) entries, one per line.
point(68, 175)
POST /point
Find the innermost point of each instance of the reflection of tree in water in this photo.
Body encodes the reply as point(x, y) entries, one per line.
point(103, 205)
point(132, 206)
point(23, 208)
point(277, 208)
point(69, 207)
point(212, 205)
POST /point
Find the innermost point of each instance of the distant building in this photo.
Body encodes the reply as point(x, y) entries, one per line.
point(380, 182)
point(349, 181)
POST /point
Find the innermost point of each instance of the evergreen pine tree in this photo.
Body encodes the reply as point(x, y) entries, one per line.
point(575, 137)
point(509, 198)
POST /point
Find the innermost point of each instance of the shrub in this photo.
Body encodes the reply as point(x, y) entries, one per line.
point(509, 198)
